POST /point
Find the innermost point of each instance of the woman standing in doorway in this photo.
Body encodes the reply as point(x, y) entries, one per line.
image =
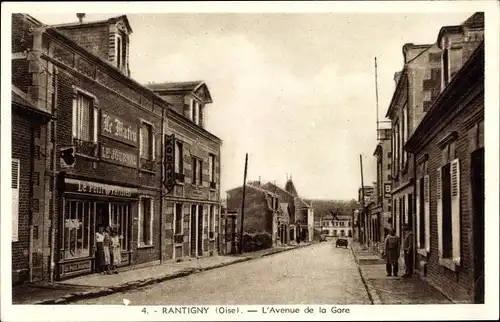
point(102, 250)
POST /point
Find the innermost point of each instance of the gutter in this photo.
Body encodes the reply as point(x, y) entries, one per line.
point(30, 205)
point(54, 176)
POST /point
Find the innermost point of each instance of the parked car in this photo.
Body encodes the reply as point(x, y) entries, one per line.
point(341, 242)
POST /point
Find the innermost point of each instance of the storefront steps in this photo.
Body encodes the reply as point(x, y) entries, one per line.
point(97, 285)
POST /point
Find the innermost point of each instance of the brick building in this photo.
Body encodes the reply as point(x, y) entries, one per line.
point(109, 146)
point(193, 205)
point(262, 209)
point(449, 163)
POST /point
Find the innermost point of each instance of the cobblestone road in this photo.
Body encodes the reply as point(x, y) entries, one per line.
point(319, 274)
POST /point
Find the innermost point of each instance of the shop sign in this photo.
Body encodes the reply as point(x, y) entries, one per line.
point(118, 156)
point(169, 182)
point(387, 190)
point(118, 129)
point(100, 189)
point(75, 267)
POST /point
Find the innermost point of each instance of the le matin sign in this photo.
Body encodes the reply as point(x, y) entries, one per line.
point(118, 129)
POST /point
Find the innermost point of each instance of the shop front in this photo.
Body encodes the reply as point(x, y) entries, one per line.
point(85, 207)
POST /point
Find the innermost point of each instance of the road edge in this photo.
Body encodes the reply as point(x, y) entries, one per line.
point(370, 290)
point(73, 297)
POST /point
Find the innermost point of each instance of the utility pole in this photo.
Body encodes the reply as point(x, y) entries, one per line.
point(376, 95)
point(362, 201)
point(243, 203)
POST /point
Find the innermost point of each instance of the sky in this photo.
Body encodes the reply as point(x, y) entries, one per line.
point(296, 91)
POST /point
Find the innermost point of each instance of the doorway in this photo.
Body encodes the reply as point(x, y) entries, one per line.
point(477, 185)
point(193, 238)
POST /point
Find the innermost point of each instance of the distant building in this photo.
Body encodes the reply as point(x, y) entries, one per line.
point(262, 210)
point(337, 225)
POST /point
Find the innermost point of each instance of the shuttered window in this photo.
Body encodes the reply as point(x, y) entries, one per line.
point(178, 219)
point(15, 199)
point(427, 214)
point(145, 223)
point(179, 162)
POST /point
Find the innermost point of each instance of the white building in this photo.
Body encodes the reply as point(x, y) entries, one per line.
point(337, 225)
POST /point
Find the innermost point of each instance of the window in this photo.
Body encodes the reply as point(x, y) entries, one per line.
point(197, 165)
point(448, 207)
point(147, 141)
point(196, 112)
point(145, 221)
point(178, 219)
point(119, 218)
point(15, 199)
point(389, 166)
point(77, 228)
point(84, 118)
point(211, 167)
point(121, 51)
point(389, 155)
point(179, 162)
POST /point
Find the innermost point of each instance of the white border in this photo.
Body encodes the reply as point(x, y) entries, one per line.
point(108, 313)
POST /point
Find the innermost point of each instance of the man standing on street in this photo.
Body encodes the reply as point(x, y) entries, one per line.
point(392, 247)
point(408, 251)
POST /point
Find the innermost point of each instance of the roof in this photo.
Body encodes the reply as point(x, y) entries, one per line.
point(180, 87)
point(21, 99)
point(255, 188)
point(175, 86)
point(290, 188)
point(474, 21)
point(74, 25)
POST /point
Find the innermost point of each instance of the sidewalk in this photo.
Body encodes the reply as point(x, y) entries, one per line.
point(96, 285)
point(393, 290)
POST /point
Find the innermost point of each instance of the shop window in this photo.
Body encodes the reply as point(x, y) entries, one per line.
point(119, 218)
point(145, 221)
point(77, 228)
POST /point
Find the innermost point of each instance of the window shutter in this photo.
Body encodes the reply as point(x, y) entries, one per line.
point(75, 120)
point(153, 144)
point(427, 214)
point(151, 216)
point(141, 144)
point(139, 214)
point(455, 209)
point(439, 212)
point(417, 209)
point(95, 127)
point(15, 199)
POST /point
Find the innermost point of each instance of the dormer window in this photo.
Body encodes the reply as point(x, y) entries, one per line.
point(196, 112)
point(121, 52)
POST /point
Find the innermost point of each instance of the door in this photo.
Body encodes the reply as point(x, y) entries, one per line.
point(230, 235)
point(193, 231)
point(477, 185)
point(200, 230)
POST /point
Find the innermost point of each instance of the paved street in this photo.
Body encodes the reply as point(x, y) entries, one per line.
point(317, 274)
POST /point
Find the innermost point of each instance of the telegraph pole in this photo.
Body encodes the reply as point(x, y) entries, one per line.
point(362, 200)
point(243, 203)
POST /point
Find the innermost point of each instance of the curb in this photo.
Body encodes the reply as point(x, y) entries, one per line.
point(370, 290)
point(73, 297)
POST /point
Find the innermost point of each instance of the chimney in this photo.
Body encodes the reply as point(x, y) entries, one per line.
point(80, 17)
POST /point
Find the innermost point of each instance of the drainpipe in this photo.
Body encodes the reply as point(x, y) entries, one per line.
point(30, 205)
point(54, 176)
